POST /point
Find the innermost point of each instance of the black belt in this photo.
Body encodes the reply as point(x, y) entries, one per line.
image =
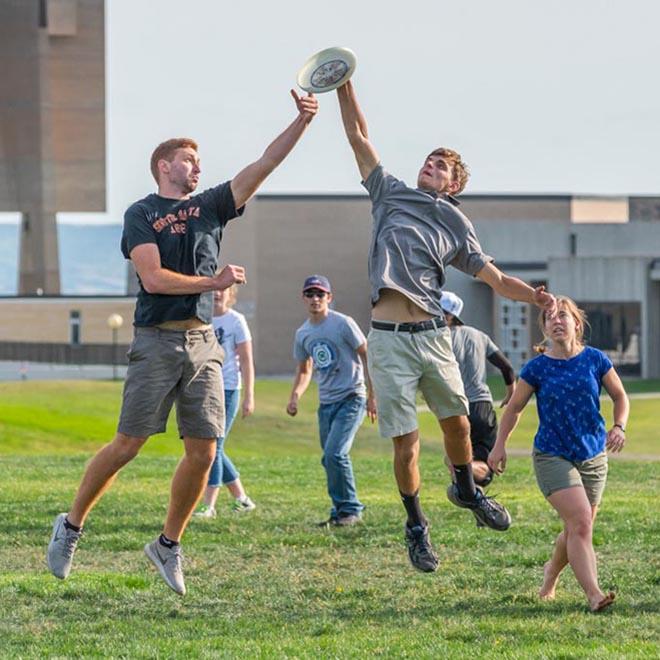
point(435, 323)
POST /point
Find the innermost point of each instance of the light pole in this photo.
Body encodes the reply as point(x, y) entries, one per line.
point(115, 321)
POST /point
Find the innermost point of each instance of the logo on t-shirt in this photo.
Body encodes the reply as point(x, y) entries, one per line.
point(324, 354)
point(220, 334)
point(176, 222)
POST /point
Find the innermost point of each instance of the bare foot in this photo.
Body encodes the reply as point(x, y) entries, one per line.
point(547, 590)
point(602, 602)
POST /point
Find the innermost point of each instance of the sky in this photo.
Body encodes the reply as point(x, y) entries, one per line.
point(538, 97)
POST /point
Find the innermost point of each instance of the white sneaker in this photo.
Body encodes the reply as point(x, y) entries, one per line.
point(243, 506)
point(62, 545)
point(168, 562)
point(205, 511)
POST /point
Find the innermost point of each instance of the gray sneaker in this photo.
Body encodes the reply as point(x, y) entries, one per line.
point(420, 551)
point(62, 545)
point(168, 562)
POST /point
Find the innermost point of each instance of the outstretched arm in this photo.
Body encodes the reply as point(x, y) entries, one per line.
point(355, 126)
point(509, 421)
point(515, 289)
point(248, 180)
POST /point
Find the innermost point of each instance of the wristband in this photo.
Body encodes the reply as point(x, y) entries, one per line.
point(620, 426)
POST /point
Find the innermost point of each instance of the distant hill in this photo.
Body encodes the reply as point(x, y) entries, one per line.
point(90, 260)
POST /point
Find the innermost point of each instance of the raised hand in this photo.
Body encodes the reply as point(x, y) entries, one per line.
point(307, 106)
point(543, 299)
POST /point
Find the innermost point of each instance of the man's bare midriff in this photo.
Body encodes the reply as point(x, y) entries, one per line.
point(394, 306)
point(185, 324)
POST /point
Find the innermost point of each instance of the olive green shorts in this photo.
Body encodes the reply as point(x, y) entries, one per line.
point(400, 363)
point(174, 366)
point(555, 473)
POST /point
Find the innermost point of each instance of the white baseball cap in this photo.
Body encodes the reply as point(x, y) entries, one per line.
point(452, 304)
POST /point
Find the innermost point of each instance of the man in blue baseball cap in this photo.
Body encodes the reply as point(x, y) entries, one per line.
point(332, 346)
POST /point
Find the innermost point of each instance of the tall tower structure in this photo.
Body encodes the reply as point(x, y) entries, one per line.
point(52, 124)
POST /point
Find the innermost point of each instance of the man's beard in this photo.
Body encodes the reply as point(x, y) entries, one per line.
point(188, 186)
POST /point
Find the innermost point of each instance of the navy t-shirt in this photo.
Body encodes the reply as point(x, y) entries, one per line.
point(568, 403)
point(187, 233)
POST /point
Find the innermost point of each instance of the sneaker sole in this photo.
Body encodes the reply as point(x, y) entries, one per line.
point(486, 523)
point(481, 522)
point(159, 567)
point(424, 570)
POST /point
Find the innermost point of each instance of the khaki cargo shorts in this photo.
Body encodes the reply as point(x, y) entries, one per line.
point(402, 362)
point(555, 473)
point(174, 366)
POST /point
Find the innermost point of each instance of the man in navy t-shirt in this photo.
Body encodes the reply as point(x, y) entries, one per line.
point(173, 239)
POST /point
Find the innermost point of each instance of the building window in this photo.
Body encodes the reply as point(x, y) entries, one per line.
point(616, 329)
point(514, 337)
point(74, 327)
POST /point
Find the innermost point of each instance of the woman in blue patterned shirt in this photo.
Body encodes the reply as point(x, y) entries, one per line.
point(570, 459)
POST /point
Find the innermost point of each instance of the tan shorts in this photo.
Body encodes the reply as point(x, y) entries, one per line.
point(400, 363)
point(168, 366)
point(555, 473)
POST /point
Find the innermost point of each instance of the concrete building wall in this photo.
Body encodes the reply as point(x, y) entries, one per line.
point(52, 124)
point(294, 240)
point(283, 239)
point(632, 239)
point(48, 319)
point(651, 339)
point(611, 279)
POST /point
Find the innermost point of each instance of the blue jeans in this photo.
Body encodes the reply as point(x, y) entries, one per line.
point(223, 470)
point(338, 424)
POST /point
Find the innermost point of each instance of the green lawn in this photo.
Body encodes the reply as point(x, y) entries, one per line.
point(271, 584)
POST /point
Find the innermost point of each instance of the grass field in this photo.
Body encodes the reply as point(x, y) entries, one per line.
point(271, 584)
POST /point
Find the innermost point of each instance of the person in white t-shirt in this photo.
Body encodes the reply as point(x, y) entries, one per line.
point(233, 334)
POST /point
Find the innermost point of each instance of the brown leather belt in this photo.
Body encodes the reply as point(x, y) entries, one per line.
point(184, 324)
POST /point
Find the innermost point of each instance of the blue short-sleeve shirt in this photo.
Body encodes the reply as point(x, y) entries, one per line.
point(568, 403)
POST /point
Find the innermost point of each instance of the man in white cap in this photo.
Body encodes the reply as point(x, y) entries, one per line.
point(472, 349)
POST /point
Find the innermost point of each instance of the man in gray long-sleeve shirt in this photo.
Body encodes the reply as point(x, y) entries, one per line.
point(417, 232)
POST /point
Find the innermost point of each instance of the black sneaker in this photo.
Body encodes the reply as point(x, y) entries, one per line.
point(421, 552)
point(485, 509)
point(347, 520)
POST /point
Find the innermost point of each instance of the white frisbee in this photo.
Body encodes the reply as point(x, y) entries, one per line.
point(327, 70)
